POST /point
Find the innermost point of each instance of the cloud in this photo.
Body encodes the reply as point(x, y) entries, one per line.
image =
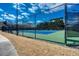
point(9, 16)
point(22, 4)
point(33, 4)
point(69, 6)
point(20, 8)
point(72, 22)
point(20, 22)
point(25, 14)
point(1, 10)
point(33, 9)
point(12, 16)
point(1, 19)
point(50, 8)
point(36, 6)
point(44, 6)
point(30, 22)
point(39, 21)
point(39, 6)
point(20, 17)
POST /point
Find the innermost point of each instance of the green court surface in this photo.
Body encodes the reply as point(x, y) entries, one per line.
point(73, 40)
point(56, 37)
point(71, 33)
point(72, 37)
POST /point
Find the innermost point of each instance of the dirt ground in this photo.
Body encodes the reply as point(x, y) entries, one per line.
point(30, 47)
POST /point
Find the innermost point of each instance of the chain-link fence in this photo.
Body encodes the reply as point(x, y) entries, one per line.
point(72, 24)
point(58, 24)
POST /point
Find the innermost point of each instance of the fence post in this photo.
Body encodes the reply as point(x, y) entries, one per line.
point(17, 19)
point(65, 18)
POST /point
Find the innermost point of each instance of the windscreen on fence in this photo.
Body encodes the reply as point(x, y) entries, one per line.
point(53, 22)
point(44, 21)
point(72, 24)
point(50, 24)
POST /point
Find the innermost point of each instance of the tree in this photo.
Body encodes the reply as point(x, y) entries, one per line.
point(58, 24)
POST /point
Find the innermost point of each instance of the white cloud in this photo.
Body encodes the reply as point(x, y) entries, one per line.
point(69, 6)
point(44, 6)
point(1, 19)
point(18, 8)
point(1, 10)
point(47, 5)
point(41, 6)
point(33, 8)
point(20, 17)
point(22, 4)
point(12, 17)
point(72, 22)
point(9, 16)
point(39, 21)
point(20, 22)
point(30, 22)
point(36, 6)
point(14, 5)
point(51, 8)
point(33, 4)
point(25, 14)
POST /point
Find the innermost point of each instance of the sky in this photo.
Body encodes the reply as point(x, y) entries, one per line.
point(29, 12)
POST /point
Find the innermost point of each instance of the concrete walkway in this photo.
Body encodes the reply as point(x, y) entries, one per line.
point(6, 48)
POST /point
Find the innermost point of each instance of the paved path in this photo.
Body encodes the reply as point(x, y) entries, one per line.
point(6, 48)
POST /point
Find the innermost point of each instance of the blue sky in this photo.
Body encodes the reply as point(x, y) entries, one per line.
point(28, 12)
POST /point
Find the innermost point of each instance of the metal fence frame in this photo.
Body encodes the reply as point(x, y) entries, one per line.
point(65, 17)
